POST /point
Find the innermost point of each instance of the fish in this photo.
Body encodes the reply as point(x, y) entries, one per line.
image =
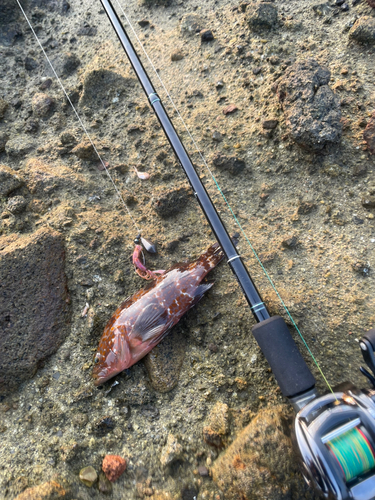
point(145, 318)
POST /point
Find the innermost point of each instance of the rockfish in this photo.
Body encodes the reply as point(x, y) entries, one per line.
point(144, 319)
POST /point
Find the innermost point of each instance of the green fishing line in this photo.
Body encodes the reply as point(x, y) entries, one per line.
point(353, 452)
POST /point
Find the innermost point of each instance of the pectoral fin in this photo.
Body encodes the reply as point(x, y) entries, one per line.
point(150, 324)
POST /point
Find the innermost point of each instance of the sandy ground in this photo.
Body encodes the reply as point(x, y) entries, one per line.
point(326, 279)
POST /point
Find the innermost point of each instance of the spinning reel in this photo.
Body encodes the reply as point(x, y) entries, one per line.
point(334, 435)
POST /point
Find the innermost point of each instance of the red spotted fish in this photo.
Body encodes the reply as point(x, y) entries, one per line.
point(144, 319)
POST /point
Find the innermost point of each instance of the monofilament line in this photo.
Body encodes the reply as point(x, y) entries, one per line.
point(223, 196)
point(80, 120)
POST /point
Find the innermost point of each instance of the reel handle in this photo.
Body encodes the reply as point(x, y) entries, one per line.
point(290, 369)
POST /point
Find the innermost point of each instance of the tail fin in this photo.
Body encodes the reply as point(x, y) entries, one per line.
point(214, 254)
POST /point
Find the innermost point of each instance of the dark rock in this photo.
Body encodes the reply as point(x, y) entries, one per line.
point(289, 242)
point(164, 362)
point(9, 180)
point(323, 10)
point(370, 2)
point(143, 23)
point(231, 164)
point(369, 134)
point(19, 145)
point(270, 124)
point(261, 16)
point(171, 202)
point(34, 311)
point(339, 2)
point(104, 484)
point(189, 492)
point(217, 425)
point(87, 30)
point(206, 35)
point(363, 30)
point(361, 268)
point(257, 70)
point(3, 140)
point(104, 425)
point(3, 108)
point(42, 104)
point(190, 24)
point(177, 55)
point(17, 204)
point(30, 64)
point(31, 126)
point(46, 84)
point(312, 111)
point(368, 201)
point(203, 471)
point(305, 207)
point(65, 64)
point(260, 462)
point(344, 7)
point(357, 221)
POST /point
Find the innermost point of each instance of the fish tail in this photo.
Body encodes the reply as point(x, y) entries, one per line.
point(212, 256)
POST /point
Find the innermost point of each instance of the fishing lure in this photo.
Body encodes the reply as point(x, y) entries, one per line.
point(140, 267)
point(144, 319)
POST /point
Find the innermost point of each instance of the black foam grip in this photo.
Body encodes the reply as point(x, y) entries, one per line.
point(370, 336)
point(288, 366)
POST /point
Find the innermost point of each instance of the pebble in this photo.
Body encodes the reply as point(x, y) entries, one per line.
point(113, 466)
point(88, 476)
point(217, 426)
point(203, 471)
point(143, 23)
point(206, 35)
point(104, 425)
point(232, 108)
point(17, 204)
point(270, 124)
point(368, 201)
point(217, 136)
point(190, 24)
point(42, 104)
point(257, 70)
point(177, 55)
point(289, 242)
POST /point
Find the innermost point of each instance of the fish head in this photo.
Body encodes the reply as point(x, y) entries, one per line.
point(111, 358)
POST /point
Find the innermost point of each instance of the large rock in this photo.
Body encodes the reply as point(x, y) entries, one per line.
point(261, 16)
point(363, 30)
point(259, 463)
point(311, 109)
point(34, 310)
point(43, 178)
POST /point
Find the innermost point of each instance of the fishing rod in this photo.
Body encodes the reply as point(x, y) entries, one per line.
point(334, 434)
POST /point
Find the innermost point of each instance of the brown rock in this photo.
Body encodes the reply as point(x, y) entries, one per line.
point(113, 466)
point(9, 180)
point(260, 462)
point(177, 55)
point(214, 433)
point(46, 491)
point(371, 3)
point(43, 178)
point(85, 151)
point(171, 452)
point(33, 309)
point(230, 109)
point(42, 105)
point(363, 30)
point(369, 134)
point(270, 124)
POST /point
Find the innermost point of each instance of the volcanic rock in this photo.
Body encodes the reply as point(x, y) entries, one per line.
point(34, 311)
point(311, 109)
point(363, 30)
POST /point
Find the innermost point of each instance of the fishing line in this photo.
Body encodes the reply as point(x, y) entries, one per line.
point(223, 196)
point(79, 119)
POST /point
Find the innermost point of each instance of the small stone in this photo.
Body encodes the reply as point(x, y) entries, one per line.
point(104, 485)
point(369, 134)
point(42, 104)
point(219, 84)
point(206, 35)
point(104, 425)
point(257, 70)
point(113, 466)
point(177, 55)
point(143, 23)
point(30, 64)
point(289, 242)
point(261, 16)
point(363, 30)
point(88, 476)
point(361, 268)
point(171, 452)
point(217, 136)
point(232, 108)
point(46, 84)
point(344, 7)
point(16, 205)
point(232, 164)
point(214, 433)
point(359, 170)
point(19, 145)
point(203, 471)
point(270, 124)
point(9, 180)
point(339, 2)
point(66, 63)
point(31, 126)
point(67, 138)
point(368, 201)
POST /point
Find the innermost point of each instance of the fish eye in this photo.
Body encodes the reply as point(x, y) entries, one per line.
point(97, 359)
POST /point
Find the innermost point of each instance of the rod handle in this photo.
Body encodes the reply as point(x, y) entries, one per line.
point(290, 369)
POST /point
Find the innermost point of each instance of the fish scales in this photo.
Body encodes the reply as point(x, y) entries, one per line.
point(146, 317)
